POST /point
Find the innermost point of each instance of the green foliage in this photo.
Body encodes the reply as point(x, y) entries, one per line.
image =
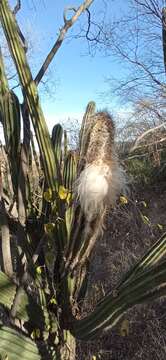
point(141, 170)
point(144, 169)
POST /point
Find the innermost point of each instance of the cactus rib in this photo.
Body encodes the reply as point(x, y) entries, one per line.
point(30, 93)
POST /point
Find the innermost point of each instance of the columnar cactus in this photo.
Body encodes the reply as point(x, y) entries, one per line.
point(51, 234)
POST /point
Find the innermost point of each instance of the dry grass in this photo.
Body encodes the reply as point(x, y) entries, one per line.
point(127, 238)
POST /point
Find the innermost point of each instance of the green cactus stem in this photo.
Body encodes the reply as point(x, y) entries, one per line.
point(30, 93)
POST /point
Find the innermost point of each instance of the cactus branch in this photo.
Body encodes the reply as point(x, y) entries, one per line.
point(30, 92)
point(146, 281)
point(148, 286)
point(5, 234)
point(24, 164)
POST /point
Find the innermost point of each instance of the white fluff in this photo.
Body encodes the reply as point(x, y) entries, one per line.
point(99, 185)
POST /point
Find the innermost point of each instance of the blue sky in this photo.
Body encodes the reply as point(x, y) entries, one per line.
point(76, 77)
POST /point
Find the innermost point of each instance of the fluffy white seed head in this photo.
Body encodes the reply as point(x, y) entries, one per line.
point(102, 179)
point(92, 188)
point(98, 186)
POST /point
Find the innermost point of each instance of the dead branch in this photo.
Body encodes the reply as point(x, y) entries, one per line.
point(17, 7)
point(68, 23)
point(96, 38)
point(139, 64)
point(137, 156)
point(146, 133)
point(164, 34)
point(66, 10)
point(150, 7)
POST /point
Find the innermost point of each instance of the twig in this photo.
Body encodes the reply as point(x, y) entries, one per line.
point(17, 7)
point(67, 25)
point(164, 34)
point(136, 156)
point(96, 37)
point(146, 133)
point(68, 8)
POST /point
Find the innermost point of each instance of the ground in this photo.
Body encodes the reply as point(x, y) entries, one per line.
point(131, 229)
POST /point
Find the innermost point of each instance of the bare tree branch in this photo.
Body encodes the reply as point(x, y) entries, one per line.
point(147, 132)
point(68, 23)
point(141, 65)
point(17, 7)
point(164, 34)
point(151, 7)
point(66, 10)
point(95, 38)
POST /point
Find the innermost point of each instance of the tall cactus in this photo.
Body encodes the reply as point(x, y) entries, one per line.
point(29, 92)
point(57, 133)
point(85, 131)
point(53, 240)
point(10, 117)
